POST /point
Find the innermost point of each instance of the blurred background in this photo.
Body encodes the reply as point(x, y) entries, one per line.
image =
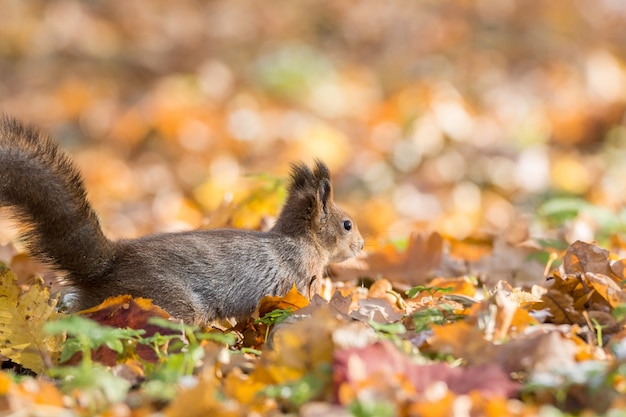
point(473, 118)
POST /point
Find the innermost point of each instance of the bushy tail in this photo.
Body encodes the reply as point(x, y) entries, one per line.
point(48, 197)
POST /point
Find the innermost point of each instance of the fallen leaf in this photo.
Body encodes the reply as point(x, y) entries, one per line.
point(379, 310)
point(561, 306)
point(462, 340)
point(538, 351)
point(245, 389)
point(202, 399)
point(508, 262)
point(356, 369)
point(383, 289)
point(461, 285)
point(22, 318)
point(30, 396)
point(125, 311)
point(411, 266)
point(293, 300)
point(510, 317)
point(584, 257)
point(607, 288)
point(618, 268)
point(301, 347)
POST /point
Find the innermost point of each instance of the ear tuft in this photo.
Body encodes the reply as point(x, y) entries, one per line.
point(321, 170)
point(313, 184)
point(301, 177)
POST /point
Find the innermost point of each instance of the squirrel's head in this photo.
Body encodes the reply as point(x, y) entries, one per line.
point(311, 212)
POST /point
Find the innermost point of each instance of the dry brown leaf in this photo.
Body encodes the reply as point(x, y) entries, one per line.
point(379, 310)
point(340, 303)
point(382, 288)
point(583, 257)
point(618, 268)
point(508, 262)
point(125, 311)
point(412, 266)
point(568, 284)
point(538, 351)
point(561, 307)
point(607, 288)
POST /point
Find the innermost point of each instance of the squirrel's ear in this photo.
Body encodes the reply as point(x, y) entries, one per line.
point(302, 179)
point(321, 170)
point(324, 199)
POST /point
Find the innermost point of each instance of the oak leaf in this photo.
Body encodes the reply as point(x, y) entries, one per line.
point(22, 318)
point(411, 266)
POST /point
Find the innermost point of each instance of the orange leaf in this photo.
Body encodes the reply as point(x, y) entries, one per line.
point(202, 399)
point(244, 388)
point(293, 300)
point(461, 285)
point(462, 340)
point(608, 289)
point(124, 311)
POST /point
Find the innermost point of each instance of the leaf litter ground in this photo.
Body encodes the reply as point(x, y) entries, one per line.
point(425, 334)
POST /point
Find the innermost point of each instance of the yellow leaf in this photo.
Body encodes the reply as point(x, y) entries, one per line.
point(298, 349)
point(201, 400)
point(243, 388)
point(22, 317)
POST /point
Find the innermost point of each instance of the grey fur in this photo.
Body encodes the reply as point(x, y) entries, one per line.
point(197, 275)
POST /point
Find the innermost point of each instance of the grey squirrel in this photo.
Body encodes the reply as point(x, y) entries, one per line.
point(197, 276)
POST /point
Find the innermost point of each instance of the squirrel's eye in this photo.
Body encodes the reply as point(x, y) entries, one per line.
point(347, 224)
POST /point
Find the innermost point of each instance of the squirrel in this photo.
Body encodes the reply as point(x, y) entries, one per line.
point(197, 276)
